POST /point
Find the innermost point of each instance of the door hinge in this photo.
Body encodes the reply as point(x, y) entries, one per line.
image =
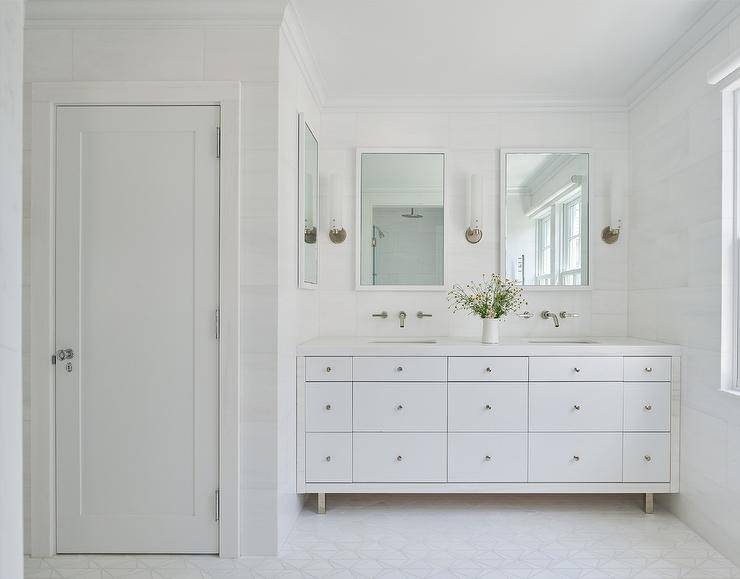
point(217, 504)
point(218, 323)
point(218, 142)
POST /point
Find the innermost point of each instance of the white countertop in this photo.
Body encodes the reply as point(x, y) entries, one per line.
point(452, 346)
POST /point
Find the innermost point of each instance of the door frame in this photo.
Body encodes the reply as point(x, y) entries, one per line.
point(45, 98)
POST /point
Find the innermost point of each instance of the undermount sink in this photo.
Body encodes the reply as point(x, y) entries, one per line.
point(565, 341)
point(402, 341)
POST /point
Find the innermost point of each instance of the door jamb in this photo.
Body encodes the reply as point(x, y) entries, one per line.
point(46, 97)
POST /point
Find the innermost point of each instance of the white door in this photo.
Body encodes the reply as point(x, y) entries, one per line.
point(137, 246)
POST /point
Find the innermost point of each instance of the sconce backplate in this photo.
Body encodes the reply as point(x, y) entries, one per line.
point(473, 235)
point(609, 235)
point(337, 235)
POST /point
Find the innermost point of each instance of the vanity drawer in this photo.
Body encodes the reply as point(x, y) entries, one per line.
point(575, 406)
point(488, 369)
point(566, 457)
point(329, 407)
point(480, 457)
point(328, 369)
point(487, 407)
point(647, 406)
point(400, 457)
point(641, 368)
point(575, 369)
point(647, 457)
point(328, 458)
point(407, 369)
point(394, 407)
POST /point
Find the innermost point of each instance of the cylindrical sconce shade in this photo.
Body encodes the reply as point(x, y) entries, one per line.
point(337, 233)
point(474, 233)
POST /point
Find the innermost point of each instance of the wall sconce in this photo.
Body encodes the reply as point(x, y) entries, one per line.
point(474, 233)
point(337, 233)
point(610, 233)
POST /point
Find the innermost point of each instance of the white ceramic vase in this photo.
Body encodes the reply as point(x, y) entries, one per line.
point(490, 331)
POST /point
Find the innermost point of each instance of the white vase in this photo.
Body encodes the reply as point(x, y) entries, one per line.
point(490, 331)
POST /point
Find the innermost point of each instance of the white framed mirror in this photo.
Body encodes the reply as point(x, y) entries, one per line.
point(400, 222)
point(308, 206)
point(545, 223)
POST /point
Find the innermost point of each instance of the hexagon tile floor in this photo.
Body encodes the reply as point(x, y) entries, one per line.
point(585, 537)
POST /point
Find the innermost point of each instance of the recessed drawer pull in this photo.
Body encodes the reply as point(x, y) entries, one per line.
point(648, 369)
point(576, 406)
point(399, 369)
point(328, 458)
point(399, 458)
point(648, 407)
point(576, 457)
point(488, 458)
point(489, 407)
point(576, 369)
point(328, 406)
point(648, 458)
point(489, 370)
point(328, 369)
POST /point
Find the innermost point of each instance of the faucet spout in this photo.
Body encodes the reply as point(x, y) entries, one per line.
point(553, 316)
point(402, 318)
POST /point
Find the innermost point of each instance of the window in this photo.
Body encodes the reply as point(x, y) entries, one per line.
point(562, 266)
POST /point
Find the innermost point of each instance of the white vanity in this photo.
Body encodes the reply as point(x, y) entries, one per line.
point(457, 416)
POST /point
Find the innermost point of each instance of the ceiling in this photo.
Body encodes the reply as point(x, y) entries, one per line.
point(596, 50)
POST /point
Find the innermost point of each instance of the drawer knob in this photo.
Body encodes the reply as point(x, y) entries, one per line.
point(576, 406)
point(328, 406)
point(576, 369)
point(489, 370)
point(399, 369)
point(648, 407)
point(328, 368)
point(576, 458)
point(328, 458)
point(399, 458)
point(648, 369)
point(399, 407)
point(648, 458)
point(489, 407)
point(488, 457)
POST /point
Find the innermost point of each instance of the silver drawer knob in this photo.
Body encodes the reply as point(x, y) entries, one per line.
point(648, 369)
point(399, 407)
point(399, 369)
point(328, 368)
point(489, 370)
point(328, 459)
point(488, 457)
point(399, 458)
point(489, 407)
point(576, 369)
point(576, 406)
point(648, 407)
point(576, 457)
point(648, 458)
point(328, 406)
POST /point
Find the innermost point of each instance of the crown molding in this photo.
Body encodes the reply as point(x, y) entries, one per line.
point(295, 35)
point(154, 13)
point(717, 17)
point(471, 103)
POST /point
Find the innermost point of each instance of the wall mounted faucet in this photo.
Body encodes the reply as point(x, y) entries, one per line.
point(402, 318)
point(551, 315)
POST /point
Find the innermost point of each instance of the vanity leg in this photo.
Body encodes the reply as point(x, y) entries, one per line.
point(321, 503)
point(649, 505)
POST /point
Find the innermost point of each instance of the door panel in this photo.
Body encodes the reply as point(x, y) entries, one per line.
point(136, 293)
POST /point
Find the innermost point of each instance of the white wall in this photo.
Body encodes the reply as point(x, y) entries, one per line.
point(207, 49)
point(675, 277)
point(11, 458)
point(472, 141)
point(297, 309)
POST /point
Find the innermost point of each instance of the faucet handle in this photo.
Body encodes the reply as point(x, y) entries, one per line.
point(421, 314)
point(565, 314)
point(526, 315)
point(382, 314)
